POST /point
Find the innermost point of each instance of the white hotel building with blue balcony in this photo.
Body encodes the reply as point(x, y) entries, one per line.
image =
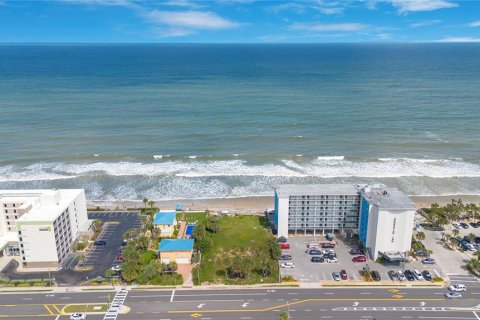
point(382, 217)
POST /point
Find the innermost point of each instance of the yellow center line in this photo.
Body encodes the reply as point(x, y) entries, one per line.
point(299, 302)
point(48, 309)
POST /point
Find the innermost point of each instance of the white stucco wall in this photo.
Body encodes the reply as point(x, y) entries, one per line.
point(283, 217)
point(38, 242)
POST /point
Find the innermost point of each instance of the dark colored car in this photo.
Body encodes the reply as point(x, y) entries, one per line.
point(314, 252)
point(282, 240)
point(124, 243)
point(359, 259)
point(328, 245)
point(375, 276)
point(317, 259)
point(409, 275)
point(286, 257)
point(355, 252)
point(427, 275)
point(100, 243)
point(464, 225)
point(475, 225)
point(343, 275)
point(393, 275)
point(420, 253)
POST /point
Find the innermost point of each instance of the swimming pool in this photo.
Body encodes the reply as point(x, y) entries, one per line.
point(189, 229)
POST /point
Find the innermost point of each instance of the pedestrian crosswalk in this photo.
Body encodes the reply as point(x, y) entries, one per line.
point(116, 305)
point(392, 309)
point(463, 278)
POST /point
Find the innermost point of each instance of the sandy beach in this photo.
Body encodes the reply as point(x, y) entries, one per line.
point(254, 204)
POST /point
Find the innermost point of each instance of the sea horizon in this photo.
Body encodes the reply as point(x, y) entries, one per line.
point(234, 120)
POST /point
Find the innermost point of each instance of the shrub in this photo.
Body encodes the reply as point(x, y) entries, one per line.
point(288, 278)
point(437, 279)
point(146, 257)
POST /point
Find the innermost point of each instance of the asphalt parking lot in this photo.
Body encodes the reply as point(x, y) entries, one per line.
point(101, 258)
point(308, 272)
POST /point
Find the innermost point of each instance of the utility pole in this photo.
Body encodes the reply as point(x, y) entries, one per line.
point(49, 278)
point(198, 268)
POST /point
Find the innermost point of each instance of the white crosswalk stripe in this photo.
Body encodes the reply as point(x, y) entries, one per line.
point(118, 300)
point(391, 309)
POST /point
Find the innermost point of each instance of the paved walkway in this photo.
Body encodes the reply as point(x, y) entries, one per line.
point(181, 231)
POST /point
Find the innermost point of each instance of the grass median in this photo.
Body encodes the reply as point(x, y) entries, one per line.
point(86, 308)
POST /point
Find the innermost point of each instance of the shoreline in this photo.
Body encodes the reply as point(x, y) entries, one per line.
point(253, 204)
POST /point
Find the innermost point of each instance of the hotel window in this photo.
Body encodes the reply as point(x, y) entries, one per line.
point(14, 205)
point(15, 211)
point(6, 211)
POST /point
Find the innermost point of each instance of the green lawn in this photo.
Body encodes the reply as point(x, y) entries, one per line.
point(244, 235)
point(192, 217)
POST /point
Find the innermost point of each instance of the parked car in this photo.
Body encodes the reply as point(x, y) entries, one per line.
point(359, 259)
point(375, 276)
point(343, 275)
point(464, 225)
point(332, 260)
point(284, 246)
point(328, 245)
point(100, 243)
point(409, 275)
point(78, 316)
point(417, 274)
point(116, 268)
point(336, 276)
point(285, 257)
point(475, 225)
point(314, 252)
point(124, 243)
point(287, 265)
point(313, 245)
point(453, 295)
point(427, 275)
point(355, 251)
point(119, 257)
point(317, 259)
point(401, 276)
point(393, 275)
point(282, 240)
point(457, 288)
point(457, 225)
point(428, 261)
point(421, 253)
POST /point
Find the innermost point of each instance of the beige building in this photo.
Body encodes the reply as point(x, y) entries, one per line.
point(178, 250)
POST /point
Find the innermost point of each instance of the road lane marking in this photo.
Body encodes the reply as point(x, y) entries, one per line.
point(298, 302)
point(173, 294)
point(476, 315)
point(48, 309)
point(56, 308)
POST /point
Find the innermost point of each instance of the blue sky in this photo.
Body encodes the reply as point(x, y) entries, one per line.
point(232, 21)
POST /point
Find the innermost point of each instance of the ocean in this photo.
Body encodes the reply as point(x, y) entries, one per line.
point(203, 121)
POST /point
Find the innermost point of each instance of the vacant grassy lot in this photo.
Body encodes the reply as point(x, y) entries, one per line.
point(244, 236)
point(192, 217)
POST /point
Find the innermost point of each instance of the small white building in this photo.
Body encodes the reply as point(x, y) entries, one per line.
point(41, 225)
point(386, 221)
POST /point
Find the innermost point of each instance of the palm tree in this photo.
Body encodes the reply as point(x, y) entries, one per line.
point(455, 232)
point(151, 203)
point(420, 236)
point(96, 225)
point(145, 201)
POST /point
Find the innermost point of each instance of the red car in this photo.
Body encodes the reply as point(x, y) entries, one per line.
point(119, 257)
point(284, 246)
point(343, 275)
point(359, 259)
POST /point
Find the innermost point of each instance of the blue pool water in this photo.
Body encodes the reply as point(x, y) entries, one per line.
point(189, 230)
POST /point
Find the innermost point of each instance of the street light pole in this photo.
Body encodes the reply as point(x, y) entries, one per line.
point(198, 268)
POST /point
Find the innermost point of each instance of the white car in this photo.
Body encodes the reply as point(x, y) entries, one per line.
point(457, 288)
point(288, 265)
point(78, 316)
point(417, 274)
point(116, 268)
point(453, 295)
point(332, 260)
point(401, 276)
point(458, 225)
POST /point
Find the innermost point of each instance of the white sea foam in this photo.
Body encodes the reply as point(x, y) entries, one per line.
point(411, 160)
point(299, 155)
point(192, 157)
point(96, 155)
point(158, 157)
point(327, 158)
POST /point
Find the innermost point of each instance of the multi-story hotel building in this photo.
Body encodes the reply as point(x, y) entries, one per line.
point(382, 218)
point(41, 225)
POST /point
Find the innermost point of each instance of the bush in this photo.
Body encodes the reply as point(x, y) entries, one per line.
point(288, 278)
point(146, 257)
point(437, 279)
